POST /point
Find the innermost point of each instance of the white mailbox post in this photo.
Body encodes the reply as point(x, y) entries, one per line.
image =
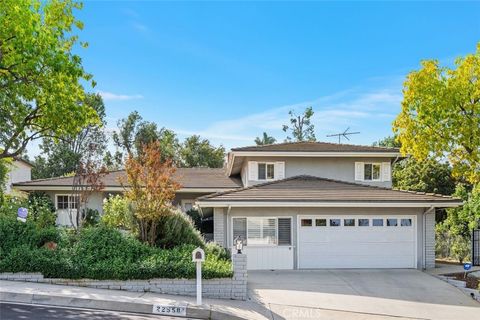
point(198, 256)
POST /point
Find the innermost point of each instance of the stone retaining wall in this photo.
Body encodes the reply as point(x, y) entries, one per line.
point(226, 288)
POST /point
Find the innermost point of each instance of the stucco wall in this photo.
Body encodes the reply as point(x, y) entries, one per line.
point(19, 172)
point(295, 212)
point(333, 168)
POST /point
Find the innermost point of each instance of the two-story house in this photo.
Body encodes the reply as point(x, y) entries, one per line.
point(19, 170)
point(305, 205)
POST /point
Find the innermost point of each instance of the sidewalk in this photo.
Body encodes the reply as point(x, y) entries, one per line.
point(116, 300)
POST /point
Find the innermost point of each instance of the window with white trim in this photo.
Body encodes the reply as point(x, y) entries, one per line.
point(263, 230)
point(66, 201)
point(372, 171)
point(266, 171)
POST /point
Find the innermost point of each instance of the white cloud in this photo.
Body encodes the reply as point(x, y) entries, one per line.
point(109, 96)
point(368, 112)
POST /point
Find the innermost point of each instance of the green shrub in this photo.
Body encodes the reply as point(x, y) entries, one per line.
point(213, 249)
point(176, 229)
point(98, 253)
point(14, 233)
point(104, 243)
point(461, 248)
point(41, 209)
point(117, 213)
point(51, 264)
point(91, 217)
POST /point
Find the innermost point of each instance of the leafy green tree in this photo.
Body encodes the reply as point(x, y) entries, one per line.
point(41, 92)
point(426, 176)
point(197, 152)
point(301, 127)
point(113, 160)
point(62, 157)
point(134, 133)
point(440, 114)
point(388, 142)
point(462, 220)
point(265, 139)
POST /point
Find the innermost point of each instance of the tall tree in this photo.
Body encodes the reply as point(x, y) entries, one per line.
point(40, 77)
point(62, 157)
point(133, 133)
point(440, 114)
point(265, 139)
point(151, 189)
point(301, 126)
point(88, 180)
point(426, 176)
point(197, 152)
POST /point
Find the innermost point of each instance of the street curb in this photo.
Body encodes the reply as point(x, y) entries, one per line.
point(193, 311)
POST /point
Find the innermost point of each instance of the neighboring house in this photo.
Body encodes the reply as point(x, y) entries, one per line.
point(20, 170)
point(304, 205)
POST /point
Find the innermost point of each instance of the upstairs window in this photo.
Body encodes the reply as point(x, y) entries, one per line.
point(371, 171)
point(266, 171)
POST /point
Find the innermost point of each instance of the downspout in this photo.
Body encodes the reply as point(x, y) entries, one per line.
point(424, 237)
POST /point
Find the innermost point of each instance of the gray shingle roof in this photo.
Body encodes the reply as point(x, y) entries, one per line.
point(315, 147)
point(314, 189)
point(188, 177)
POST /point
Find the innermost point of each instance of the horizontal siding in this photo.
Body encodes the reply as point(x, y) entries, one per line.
point(430, 241)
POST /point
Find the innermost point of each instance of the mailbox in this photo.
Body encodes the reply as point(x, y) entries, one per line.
point(198, 255)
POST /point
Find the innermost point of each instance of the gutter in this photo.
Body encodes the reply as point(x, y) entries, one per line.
point(297, 204)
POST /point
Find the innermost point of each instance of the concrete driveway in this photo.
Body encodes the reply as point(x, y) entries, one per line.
point(359, 294)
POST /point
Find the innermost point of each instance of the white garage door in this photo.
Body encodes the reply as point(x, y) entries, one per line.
point(357, 242)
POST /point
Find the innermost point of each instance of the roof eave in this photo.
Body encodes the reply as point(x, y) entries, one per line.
point(311, 204)
point(319, 154)
point(114, 189)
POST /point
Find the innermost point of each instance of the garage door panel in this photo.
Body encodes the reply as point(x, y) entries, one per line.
point(366, 248)
point(359, 261)
point(357, 247)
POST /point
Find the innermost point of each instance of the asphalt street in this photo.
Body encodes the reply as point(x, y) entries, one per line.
point(11, 311)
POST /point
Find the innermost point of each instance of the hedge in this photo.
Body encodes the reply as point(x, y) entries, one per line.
point(98, 253)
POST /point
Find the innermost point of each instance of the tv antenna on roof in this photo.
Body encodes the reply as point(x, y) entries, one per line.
point(344, 134)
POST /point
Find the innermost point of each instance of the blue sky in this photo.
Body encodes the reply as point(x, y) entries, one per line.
point(229, 70)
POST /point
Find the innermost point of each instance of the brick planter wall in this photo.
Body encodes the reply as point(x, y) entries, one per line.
point(225, 288)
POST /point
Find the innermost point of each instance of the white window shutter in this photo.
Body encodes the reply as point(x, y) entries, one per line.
point(252, 170)
point(386, 171)
point(359, 170)
point(279, 170)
